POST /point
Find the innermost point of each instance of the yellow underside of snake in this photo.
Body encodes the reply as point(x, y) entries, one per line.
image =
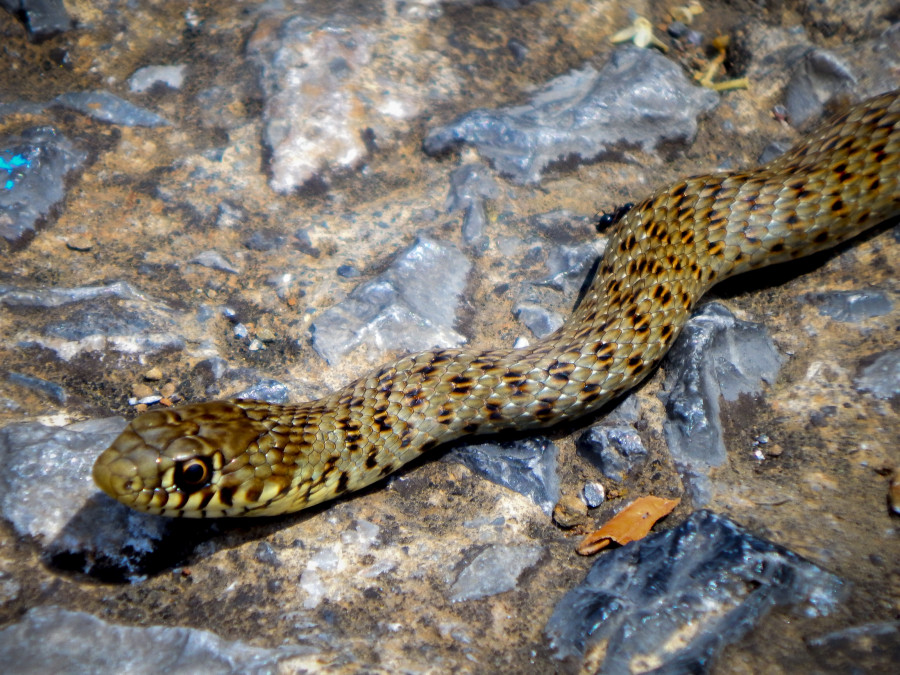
point(243, 457)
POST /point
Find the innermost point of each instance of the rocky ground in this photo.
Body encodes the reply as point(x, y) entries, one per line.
point(201, 200)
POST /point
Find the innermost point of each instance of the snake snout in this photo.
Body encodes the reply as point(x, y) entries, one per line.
point(126, 468)
point(114, 474)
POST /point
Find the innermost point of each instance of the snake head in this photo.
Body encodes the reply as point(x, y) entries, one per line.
point(192, 461)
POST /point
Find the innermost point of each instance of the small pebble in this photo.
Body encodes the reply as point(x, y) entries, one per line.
point(569, 511)
point(348, 272)
point(80, 242)
point(153, 374)
point(518, 48)
point(593, 494)
point(168, 389)
point(676, 29)
point(694, 37)
point(141, 390)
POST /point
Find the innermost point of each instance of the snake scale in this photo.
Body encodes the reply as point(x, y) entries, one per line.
point(245, 457)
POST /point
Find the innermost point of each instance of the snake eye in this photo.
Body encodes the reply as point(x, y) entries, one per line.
point(192, 474)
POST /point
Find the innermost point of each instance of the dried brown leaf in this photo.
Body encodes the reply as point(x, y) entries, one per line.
point(630, 524)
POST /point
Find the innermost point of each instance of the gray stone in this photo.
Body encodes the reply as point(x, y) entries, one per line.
point(568, 266)
point(54, 640)
point(881, 376)
point(869, 648)
point(144, 78)
point(90, 318)
point(616, 450)
point(716, 356)
point(626, 412)
point(675, 599)
point(216, 261)
point(16, 296)
point(527, 466)
point(52, 390)
point(594, 494)
point(320, 102)
point(46, 492)
point(266, 239)
point(540, 321)
point(411, 306)
point(269, 390)
point(638, 98)
point(9, 108)
point(33, 169)
point(106, 107)
point(851, 306)
point(494, 570)
point(818, 77)
point(43, 18)
point(470, 185)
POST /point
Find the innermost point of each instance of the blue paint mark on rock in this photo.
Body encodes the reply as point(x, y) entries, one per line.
point(33, 168)
point(14, 168)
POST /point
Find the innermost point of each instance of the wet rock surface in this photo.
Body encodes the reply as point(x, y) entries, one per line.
point(284, 231)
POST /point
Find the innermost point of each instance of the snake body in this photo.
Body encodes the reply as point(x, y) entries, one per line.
point(245, 457)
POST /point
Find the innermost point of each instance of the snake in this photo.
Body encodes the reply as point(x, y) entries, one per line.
point(243, 457)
